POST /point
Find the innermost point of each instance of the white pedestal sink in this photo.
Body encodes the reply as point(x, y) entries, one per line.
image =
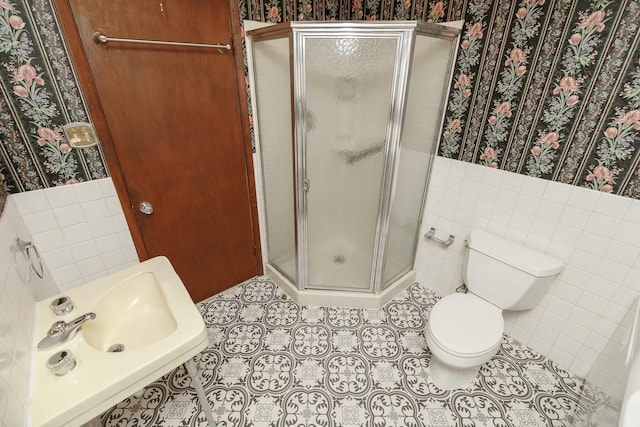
point(147, 311)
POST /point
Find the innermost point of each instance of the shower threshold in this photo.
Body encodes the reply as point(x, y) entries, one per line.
point(340, 298)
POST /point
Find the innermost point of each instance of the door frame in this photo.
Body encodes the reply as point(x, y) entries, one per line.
point(97, 116)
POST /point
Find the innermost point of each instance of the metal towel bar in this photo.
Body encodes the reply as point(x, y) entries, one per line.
point(431, 234)
point(101, 39)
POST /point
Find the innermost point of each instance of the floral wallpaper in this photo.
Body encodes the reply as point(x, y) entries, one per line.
point(546, 88)
point(38, 95)
point(550, 89)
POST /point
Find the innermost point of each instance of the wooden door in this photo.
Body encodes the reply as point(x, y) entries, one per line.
point(173, 126)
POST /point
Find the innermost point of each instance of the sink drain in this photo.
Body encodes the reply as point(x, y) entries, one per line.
point(116, 348)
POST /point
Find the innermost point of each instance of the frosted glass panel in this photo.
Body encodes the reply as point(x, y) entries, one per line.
point(429, 77)
point(273, 97)
point(348, 90)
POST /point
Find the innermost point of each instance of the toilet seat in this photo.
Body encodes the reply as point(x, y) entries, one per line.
point(464, 329)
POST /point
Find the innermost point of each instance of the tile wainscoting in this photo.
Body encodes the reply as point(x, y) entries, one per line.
point(80, 230)
point(17, 304)
point(81, 235)
point(596, 235)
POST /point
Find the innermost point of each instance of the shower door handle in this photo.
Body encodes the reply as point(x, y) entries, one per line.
point(305, 185)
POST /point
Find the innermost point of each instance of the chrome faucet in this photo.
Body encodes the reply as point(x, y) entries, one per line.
point(61, 331)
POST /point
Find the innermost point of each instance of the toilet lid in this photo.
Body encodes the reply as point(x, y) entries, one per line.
point(466, 325)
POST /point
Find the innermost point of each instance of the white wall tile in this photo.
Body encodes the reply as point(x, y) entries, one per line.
point(119, 223)
point(592, 243)
point(603, 288)
point(114, 259)
point(102, 227)
point(583, 198)
point(61, 196)
point(49, 240)
point(511, 183)
point(612, 205)
point(594, 234)
point(76, 233)
point(40, 222)
point(69, 215)
point(108, 243)
point(108, 189)
point(125, 238)
point(628, 232)
point(633, 213)
point(87, 191)
point(583, 260)
point(30, 201)
point(490, 177)
point(17, 305)
point(603, 225)
point(527, 204)
point(57, 257)
point(533, 187)
point(623, 253)
point(84, 250)
point(632, 281)
point(74, 226)
point(95, 209)
point(568, 344)
point(550, 210)
point(91, 266)
point(578, 332)
point(612, 270)
point(113, 206)
point(66, 274)
point(557, 192)
point(575, 217)
point(507, 199)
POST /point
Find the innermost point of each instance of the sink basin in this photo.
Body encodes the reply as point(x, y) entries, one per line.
point(131, 315)
point(144, 313)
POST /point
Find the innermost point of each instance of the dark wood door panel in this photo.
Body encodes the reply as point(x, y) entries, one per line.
point(175, 120)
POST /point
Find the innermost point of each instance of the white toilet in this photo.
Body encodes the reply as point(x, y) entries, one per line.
point(465, 329)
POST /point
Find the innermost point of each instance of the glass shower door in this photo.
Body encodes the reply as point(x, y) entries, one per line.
point(348, 89)
point(430, 71)
point(273, 99)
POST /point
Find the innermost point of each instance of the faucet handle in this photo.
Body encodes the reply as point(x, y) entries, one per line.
point(57, 328)
point(61, 331)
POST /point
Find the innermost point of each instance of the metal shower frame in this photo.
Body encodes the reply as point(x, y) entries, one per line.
point(405, 33)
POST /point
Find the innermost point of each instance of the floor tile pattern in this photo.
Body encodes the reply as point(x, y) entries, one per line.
point(272, 362)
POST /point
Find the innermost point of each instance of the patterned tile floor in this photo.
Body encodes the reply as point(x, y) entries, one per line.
point(272, 362)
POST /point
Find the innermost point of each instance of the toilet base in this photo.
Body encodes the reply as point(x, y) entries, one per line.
point(448, 378)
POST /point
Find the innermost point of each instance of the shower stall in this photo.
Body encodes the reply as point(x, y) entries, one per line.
point(347, 117)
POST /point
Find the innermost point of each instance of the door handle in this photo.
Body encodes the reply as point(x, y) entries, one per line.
point(146, 208)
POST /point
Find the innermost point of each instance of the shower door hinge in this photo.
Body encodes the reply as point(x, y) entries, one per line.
point(305, 185)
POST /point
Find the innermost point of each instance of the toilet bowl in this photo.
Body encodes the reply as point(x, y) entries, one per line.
point(464, 330)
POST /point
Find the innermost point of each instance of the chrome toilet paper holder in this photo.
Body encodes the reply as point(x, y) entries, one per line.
point(431, 234)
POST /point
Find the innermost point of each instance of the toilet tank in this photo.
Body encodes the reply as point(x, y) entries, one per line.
point(506, 274)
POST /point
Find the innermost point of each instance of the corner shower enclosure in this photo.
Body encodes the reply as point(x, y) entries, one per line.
point(347, 122)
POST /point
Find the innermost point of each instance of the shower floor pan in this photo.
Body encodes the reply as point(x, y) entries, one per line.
point(340, 265)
